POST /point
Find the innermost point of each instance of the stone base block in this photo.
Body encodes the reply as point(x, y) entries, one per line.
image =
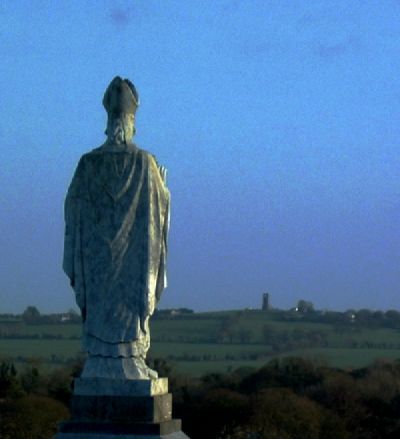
point(108, 430)
point(156, 408)
point(104, 408)
point(120, 387)
point(177, 435)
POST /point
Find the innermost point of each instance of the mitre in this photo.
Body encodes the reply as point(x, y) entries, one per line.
point(121, 97)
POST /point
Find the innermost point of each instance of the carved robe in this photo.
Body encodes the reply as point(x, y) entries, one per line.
point(117, 220)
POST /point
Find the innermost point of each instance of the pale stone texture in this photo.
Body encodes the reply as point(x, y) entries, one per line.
point(117, 218)
point(176, 435)
point(117, 222)
point(131, 409)
point(108, 387)
point(116, 213)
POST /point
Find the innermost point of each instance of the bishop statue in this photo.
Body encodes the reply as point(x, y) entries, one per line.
point(117, 221)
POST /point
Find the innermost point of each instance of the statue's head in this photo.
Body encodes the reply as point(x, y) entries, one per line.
point(121, 101)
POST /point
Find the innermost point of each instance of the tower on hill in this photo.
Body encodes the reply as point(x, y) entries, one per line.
point(266, 306)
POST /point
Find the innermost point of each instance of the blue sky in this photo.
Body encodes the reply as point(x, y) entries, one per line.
point(278, 122)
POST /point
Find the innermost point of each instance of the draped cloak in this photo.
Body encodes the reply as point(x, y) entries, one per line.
point(117, 220)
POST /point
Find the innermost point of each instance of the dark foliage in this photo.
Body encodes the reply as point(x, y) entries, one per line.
point(287, 398)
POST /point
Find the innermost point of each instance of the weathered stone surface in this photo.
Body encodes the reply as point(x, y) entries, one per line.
point(115, 247)
point(176, 435)
point(117, 222)
point(121, 387)
point(94, 428)
point(122, 408)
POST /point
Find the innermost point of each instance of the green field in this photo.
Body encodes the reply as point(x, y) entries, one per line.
point(214, 349)
point(39, 348)
point(191, 346)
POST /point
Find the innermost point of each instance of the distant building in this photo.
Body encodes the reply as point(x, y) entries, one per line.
point(266, 306)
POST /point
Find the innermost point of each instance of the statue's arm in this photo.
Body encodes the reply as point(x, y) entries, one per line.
point(161, 169)
point(71, 217)
point(69, 235)
point(72, 262)
point(162, 270)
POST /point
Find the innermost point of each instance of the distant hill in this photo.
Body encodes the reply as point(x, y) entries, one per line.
point(219, 341)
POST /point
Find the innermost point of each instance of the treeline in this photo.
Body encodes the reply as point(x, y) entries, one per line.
point(32, 316)
point(53, 359)
point(289, 398)
point(175, 313)
point(362, 318)
point(9, 335)
point(293, 398)
point(241, 356)
point(32, 403)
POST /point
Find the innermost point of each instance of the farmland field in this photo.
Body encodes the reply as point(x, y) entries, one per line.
point(215, 342)
point(39, 348)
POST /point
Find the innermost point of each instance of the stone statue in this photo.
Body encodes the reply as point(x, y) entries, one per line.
point(117, 220)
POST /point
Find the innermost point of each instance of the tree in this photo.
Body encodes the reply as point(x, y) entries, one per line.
point(281, 414)
point(30, 379)
point(364, 316)
point(294, 372)
point(9, 385)
point(245, 335)
point(33, 417)
point(392, 318)
point(305, 307)
point(218, 413)
point(74, 316)
point(341, 394)
point(31, 315)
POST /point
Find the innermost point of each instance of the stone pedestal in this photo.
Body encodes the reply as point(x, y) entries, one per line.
point(121, 409)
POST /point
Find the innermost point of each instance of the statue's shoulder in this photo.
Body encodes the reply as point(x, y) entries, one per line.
point(130, 148)
point(81, 163)
point(147, 155)
point(84, 163)
point(154, 167)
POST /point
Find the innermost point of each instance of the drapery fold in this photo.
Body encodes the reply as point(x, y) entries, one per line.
point(117, 221)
